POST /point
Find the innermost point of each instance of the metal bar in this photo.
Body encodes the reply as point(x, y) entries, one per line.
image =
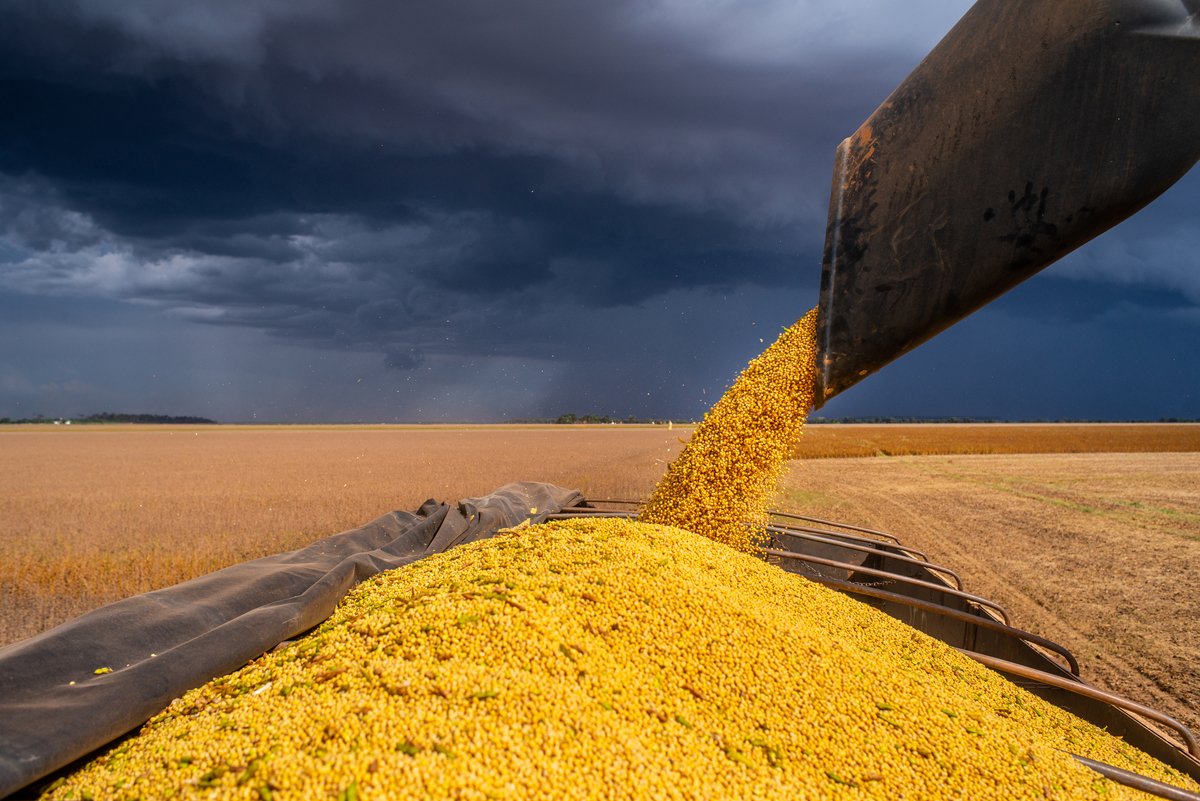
point(821, 535)
point(867, 541)
point(1137, 781)
point(872, 531)
point(591, 513)
point(864, 549)
point(773, 513)
point(1087, 691)
point(817, 560)
point(869, 546)
point(890, 537)
point(938, 609)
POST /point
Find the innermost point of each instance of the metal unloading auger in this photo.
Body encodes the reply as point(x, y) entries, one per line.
point(1032, 127)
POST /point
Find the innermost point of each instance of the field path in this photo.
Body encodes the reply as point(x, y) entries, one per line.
point(1100, 552)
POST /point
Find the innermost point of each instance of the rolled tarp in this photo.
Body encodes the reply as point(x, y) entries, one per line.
point(55, 706)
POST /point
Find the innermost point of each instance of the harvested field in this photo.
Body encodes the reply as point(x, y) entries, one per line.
point(837, 441)
point(92, 515)
point(1100, 552)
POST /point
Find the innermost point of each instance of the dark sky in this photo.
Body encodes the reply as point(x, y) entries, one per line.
point(340, 210)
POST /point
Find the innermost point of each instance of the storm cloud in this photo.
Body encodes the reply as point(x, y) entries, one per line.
point(534, 193)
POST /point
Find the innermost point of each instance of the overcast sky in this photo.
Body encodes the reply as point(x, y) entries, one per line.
point(340, 210)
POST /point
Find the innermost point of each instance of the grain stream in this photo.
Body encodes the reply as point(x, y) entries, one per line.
point(722, 481)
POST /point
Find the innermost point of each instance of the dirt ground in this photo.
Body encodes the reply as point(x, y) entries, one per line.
point(1099, 552)
point(921, 439)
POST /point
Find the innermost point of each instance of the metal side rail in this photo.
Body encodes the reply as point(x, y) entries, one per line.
point(878, 545)
point(890, 537)
point(1137, 781)
point(896, 577)
point(893, 548)
point(866, 549)
point(1088, 691)
point(578, 512)
point(603, 504)
point(838, 539)
point(965, 617)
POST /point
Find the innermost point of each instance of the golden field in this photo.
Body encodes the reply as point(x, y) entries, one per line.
point(1089, 534)
point(89, 515)
point(838, 441)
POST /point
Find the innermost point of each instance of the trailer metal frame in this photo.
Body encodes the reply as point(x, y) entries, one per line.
point(931, 598)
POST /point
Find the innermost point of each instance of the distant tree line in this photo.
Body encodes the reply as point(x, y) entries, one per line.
point(112, 417)
point(879, 420)
point(570, 418)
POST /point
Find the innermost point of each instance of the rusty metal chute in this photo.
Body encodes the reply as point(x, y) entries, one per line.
point(1032, 127)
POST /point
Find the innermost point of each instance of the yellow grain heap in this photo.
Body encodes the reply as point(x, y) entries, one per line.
point(608, 659)
point(729, 469)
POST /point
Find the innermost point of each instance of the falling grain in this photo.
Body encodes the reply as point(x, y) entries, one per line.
point(720, 484)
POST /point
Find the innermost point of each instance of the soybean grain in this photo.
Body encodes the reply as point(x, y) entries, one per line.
point(607, 659)
point(720, 484)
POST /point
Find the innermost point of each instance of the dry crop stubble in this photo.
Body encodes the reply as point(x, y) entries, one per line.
point(823, 441)
point(92, 515)
point(1100, 552)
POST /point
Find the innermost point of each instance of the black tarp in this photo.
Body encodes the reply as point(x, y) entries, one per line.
point(54, 708)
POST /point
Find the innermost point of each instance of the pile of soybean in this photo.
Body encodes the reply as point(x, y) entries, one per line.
point(602, 658)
